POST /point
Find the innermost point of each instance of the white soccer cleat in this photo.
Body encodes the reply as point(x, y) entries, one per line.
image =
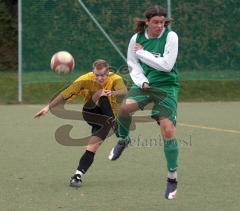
point(75, 181)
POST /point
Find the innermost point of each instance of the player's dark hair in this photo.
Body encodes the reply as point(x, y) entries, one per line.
point(100, 63)
point(152, 11)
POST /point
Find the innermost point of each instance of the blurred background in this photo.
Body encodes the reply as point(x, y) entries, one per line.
point(209, 44)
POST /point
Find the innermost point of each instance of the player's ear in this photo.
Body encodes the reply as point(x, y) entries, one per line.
point(146, 21)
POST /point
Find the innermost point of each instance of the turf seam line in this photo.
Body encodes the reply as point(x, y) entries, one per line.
point(209, 128)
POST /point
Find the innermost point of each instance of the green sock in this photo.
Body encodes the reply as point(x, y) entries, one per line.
point(123, 126)
point(171, 154)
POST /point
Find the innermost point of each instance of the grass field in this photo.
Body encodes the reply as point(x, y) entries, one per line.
point(35, 169)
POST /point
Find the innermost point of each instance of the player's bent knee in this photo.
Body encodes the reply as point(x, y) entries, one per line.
point(124, 111)
point(168, 129)
point(128, 108)
point(169, 133)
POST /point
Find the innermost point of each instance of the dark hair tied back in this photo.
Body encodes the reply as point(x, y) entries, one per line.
point(152, 11)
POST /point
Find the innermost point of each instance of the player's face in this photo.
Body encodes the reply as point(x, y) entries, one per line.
point(155, 25)
point(100, 75)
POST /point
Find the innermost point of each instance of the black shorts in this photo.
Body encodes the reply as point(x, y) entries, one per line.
point(98, 117)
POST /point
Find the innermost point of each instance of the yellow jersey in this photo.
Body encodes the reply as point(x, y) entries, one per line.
point(86, 86)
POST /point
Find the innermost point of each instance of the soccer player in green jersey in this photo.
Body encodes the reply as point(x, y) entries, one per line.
point(152, 54)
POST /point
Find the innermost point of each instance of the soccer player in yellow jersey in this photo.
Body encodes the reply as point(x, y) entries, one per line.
point(100, 90)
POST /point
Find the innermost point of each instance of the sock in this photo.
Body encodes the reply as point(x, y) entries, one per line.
point(123, 126)
point(79, 172)
point(85, 161)
point(172, 175)
point(171, 154)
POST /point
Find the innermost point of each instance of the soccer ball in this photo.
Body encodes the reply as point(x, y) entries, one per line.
point(62, 62)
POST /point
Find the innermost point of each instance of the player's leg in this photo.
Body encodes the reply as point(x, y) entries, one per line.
point(99, 114)
point(123, 121)
point(86, 161)
point(105, 106)
point(106, 109)
point(88, 157)
point(102, 104)
point(164, 111)
point(171, 154)
point(91, 114)
point(135, 100)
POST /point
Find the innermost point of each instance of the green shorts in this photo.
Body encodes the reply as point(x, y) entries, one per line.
point(164, 101)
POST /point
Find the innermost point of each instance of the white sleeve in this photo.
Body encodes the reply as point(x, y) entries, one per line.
point(163, 63)
point(135, 69)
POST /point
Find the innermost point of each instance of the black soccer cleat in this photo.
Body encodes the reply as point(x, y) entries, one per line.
point(75, 181)
point(171, 189)
point(116, 151)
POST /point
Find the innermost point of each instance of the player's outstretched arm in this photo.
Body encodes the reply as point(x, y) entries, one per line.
point(58, 99)
point(42, 112)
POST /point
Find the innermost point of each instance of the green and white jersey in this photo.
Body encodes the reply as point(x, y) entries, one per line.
point(155, 63)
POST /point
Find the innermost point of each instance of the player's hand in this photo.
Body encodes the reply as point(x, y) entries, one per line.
point(137, 47)
point(42, 112)
point(105, 92)
point(108, 92)
point(145, 86)
point(98, 94)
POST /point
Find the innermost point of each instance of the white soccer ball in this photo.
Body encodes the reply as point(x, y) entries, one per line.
point(62, 62)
